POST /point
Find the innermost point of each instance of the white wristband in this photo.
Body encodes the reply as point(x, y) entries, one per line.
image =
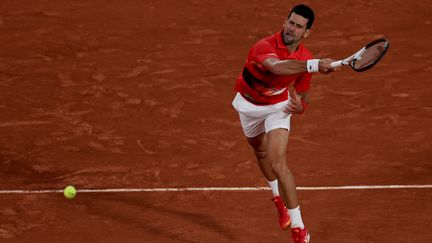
point(312, 65)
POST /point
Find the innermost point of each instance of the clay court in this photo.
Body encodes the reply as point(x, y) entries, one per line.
point(137, 94)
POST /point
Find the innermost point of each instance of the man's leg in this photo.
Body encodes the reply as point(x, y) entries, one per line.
point(277, 147)
point(259, 145)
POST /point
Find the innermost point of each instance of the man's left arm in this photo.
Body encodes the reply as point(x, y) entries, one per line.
point(297, 103)
point(304, 99)
point(299, 94)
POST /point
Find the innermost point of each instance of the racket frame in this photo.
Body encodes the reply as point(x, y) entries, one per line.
point(357, 56)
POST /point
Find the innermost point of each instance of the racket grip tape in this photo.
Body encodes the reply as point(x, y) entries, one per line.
point(336, 64)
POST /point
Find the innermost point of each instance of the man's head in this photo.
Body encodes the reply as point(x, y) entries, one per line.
point(298, 24)
point(304, 11)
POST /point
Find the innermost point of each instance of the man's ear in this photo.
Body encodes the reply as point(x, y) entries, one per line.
point(307, 33)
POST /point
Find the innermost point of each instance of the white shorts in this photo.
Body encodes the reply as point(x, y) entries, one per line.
point(257, 119)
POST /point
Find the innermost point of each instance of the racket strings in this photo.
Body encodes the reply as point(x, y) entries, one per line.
point(370, 56)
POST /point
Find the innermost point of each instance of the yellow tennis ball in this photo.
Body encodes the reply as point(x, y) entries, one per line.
point(69, 192)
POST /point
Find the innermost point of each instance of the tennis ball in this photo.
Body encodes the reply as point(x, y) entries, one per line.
point(69, 192)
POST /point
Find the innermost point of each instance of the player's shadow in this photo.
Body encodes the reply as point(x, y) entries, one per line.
point(22, 172)
point(140, 206)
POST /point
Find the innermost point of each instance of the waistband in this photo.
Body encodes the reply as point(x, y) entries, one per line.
point(251, 100)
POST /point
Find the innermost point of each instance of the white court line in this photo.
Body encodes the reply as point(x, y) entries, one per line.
point(173, 189)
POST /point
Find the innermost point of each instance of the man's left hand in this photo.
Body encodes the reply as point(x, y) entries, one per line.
point(295, 104)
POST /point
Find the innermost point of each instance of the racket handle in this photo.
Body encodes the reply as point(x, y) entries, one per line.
point(336, 64)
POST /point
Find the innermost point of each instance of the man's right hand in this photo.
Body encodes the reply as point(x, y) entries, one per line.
point(324, 66)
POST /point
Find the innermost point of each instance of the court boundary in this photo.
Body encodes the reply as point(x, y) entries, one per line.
point(191, 189)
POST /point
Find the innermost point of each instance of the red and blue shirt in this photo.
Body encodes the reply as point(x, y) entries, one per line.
point(264, 87)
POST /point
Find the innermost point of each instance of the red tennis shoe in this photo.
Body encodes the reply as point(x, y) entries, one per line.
point(284, 218)
point(299, 235)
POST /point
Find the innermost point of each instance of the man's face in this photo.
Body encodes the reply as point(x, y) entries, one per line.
point(295, 29)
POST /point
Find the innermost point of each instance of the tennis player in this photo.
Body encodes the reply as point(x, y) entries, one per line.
point(273, 66)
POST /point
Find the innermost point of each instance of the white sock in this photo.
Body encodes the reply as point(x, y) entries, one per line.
point(296, 219)
point(274, 187)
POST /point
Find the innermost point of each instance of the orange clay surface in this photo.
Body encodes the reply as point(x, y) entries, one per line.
point(137, 94)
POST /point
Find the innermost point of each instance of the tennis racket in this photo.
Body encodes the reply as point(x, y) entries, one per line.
point(366, 57)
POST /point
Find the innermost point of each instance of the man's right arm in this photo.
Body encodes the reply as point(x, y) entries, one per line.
point(290, 67)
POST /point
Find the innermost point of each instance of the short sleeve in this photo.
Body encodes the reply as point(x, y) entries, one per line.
point(302, 83)
point(263, 50)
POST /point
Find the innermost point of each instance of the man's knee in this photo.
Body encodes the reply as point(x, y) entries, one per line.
point(260, 153)
point(278, 165)
point(259, 145)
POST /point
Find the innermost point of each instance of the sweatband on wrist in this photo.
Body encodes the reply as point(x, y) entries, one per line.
point(312, 65)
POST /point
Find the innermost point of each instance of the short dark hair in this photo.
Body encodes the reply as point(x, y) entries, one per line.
point(305, 12)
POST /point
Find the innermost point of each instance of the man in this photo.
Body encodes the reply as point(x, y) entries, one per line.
point(265, 107)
